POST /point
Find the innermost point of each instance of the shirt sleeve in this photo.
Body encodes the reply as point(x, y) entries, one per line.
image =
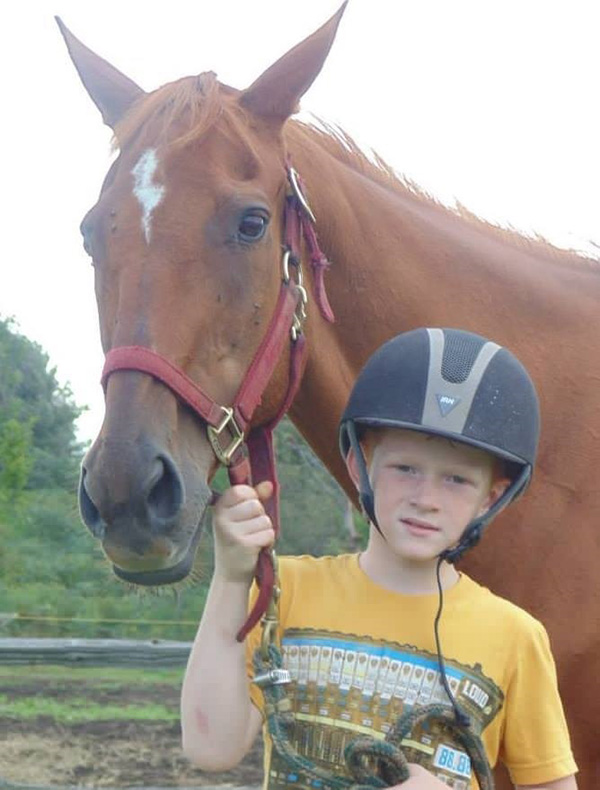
point(536, 746)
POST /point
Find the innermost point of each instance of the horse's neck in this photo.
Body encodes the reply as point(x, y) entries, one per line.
point(400, 261)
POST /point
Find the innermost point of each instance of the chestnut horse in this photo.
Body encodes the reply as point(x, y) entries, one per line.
point(186, 242)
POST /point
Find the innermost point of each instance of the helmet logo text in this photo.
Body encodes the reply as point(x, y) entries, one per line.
point(446, 403)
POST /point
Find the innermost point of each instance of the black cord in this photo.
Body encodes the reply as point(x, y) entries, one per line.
point(461, 717)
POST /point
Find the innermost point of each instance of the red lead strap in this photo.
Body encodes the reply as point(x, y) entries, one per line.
point(262, 455)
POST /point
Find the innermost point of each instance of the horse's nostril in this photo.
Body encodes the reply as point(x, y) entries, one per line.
point(165, 497)
point(89, 512)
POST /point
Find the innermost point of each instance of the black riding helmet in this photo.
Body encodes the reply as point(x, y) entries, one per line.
point(454, 384)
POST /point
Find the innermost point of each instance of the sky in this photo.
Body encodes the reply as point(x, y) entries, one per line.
point(491, 103)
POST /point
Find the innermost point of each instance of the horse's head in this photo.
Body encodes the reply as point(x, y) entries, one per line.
point(186, 243)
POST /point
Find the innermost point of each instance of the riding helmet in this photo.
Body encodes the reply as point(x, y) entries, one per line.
point(450, 383)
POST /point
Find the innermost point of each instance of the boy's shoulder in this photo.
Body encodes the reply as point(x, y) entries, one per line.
point(332, 574)
point(499, 611)
point(306, 565)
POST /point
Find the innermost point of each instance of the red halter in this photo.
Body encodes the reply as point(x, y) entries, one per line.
point(247, 451)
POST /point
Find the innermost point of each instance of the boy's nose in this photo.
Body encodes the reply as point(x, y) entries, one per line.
point(424, 494)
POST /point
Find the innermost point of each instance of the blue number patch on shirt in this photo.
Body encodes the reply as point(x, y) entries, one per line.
point(452, 760)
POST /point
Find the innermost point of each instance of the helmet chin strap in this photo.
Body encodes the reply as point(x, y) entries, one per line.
point(365, 490)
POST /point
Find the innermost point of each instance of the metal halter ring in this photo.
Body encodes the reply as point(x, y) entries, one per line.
point(300, 314)
point(225, 454)
point(295, 184)
point(285, 266)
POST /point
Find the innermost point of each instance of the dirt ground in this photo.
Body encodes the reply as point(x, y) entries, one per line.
point(117, 754)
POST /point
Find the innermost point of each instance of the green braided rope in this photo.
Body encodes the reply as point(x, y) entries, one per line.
point(279, 719)
point(470, 742)
point(364, 752)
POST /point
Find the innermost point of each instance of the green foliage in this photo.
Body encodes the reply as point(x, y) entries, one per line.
point(313, 506)
point(107, 677)
point(37, 418)
point(16, 456)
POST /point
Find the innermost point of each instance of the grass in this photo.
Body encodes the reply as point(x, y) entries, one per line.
point(74, 710)
point(100, 675)
point(76, 703)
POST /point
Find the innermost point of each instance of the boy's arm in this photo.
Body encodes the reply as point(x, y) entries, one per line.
point(566, 783)
point(219, 722)
point(420, 779)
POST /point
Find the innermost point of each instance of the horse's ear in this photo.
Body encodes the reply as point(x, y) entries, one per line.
point(276, 93)
point(112, 92)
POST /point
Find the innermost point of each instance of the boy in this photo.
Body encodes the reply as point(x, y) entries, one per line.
point(440, 433)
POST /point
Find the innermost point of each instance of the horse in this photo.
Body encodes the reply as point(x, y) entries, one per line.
point(186, 241)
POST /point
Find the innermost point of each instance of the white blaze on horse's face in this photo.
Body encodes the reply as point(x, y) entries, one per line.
point(148, 193)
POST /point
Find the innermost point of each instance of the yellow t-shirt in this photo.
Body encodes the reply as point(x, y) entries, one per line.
point(360, 656)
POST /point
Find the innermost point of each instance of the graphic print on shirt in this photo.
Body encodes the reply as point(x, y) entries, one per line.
point(346, 686)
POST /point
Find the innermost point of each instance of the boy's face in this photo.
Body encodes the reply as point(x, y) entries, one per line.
point(427, 489)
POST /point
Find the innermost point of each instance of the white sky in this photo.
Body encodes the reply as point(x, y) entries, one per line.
point(490, 102)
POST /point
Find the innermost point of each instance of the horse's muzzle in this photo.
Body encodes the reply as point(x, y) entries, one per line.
point(155, 497)
point(134, 500)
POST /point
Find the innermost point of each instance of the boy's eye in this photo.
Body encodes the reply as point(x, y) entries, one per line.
point(405, 468)
point(459, 480)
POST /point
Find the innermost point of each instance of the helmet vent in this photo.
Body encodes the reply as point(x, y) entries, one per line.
point(460, 353)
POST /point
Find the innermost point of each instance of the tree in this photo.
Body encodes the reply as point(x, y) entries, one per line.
point(15, 455)
point(315, 515)
point(38, 445)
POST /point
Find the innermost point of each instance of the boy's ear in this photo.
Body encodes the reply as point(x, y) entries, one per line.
point(352, 467)
point(497, 488)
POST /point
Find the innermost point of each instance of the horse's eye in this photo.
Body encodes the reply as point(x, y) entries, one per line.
point(252, 226)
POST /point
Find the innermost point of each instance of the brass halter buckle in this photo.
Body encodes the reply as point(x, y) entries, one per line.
point(223, 452)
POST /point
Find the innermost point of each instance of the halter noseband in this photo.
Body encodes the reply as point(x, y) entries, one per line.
point(245, 450)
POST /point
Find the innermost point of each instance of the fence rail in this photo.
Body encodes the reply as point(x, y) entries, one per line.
point(156, 653)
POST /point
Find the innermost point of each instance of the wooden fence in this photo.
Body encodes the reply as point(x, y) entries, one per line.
point(157, 653)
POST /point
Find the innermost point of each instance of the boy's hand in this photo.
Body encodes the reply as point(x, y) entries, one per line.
point(241, 529)
point(420, 779)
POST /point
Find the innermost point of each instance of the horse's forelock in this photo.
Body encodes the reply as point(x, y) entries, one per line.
point(192, 104)
point(181, 112)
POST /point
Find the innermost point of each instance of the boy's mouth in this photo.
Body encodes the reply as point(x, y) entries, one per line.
point(418, 527)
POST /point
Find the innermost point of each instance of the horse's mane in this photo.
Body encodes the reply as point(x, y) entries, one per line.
point(339, 144)
point(192, 105)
